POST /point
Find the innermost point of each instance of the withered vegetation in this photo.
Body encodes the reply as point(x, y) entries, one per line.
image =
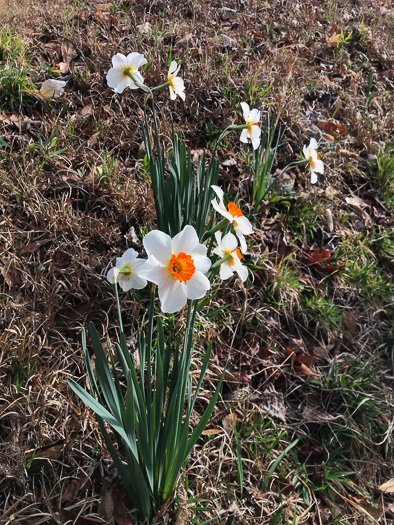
point(303, 432)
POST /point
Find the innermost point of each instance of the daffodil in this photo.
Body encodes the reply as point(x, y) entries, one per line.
point(234, 215)
point(253, 131)
point(176, 84)
point(227, 248)
point(127, 271)
point(124, 72)
point(311, 155)
point(177, 266)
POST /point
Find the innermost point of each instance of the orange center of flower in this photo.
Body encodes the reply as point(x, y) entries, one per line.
point(234, 210)
point(170, 78)
point(181, 266)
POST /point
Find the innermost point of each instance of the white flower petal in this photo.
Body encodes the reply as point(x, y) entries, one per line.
point(119, 61)
point(173, 67)
point(197, 286)
point(219, 192)
point(114, 77)
point(154, 271)
point(220, 208)
point(245, 109)
point(229, 242)
point(185, 241)
point(139, 78)
point(254, 116)
point(241, 270)
point(137, 281)
point(313, 177)
point(110, 276)
point(182, 95)
point(244, 136)
point(319, 166)
point(159, 244)
point(133, 59)
point(178, 85)
point(172, 296)
point(123, 84)
point(225, 271)
point(172, 93)
point(129, 256)
point(218, 251)
point(201, 263)
point(313, 144)
point(242, 242)
point(242, 225)
point(125, 283)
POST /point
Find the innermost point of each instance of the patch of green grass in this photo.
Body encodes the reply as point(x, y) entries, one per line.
point(15, 83)
point(385, 173)
point(319, 313)
point(302, 218)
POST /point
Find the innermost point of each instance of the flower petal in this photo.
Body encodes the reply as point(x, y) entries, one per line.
point(172, 296)
point(245, 109)
point(172, 68)
point(244, 136)
point(201, 263)
point(178, 84)
point(119, 61)
point(134, 59)
point(225, 271)
point(229, 242)
point(110, 276)
point(254, 116)
point(182, 95)
point(313, 177)
point(139, 78)
point(172, 93)
point(241, 270)
point(129, 256)
point(154, 271)
point(242, 242)
point(159, 244)
point(242, 225)
point(114, 77)
point(185, 241)
point(219, 192)
point(197, 286)
point(137, 281)
point(220, 208)
point(123, 84)
point(313, 144)
point(319, 166)
point(125, 283)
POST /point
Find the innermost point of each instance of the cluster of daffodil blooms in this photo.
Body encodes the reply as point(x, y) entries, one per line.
point(178, 265)
point(149, 406)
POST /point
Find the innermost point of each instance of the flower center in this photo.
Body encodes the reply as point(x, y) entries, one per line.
point(126, 271)
point(234, 210)
point(181, 266)
point(128, 71)
point(170, 78)
point(234, 253)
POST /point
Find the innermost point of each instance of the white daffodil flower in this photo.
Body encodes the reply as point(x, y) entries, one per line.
point(228, 247)
point(118, 76)
point(176, 84)
point(234, 215)
point(127, 271)
point(52, 88)
point(253, 131)
point(177, 266)
point(312, 156)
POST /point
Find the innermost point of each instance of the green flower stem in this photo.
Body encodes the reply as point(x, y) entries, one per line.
point(162, 86)
point(224, 259)
point(209, 233)
point(118, 307)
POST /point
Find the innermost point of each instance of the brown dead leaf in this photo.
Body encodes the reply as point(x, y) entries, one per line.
point(331, 128)
point(356, 201)
point(388, 486)
point(319, 259)
point(315, 415)
point(33, 246)
point(86, 111)
point(10, 277)
point(114, 504)
point(333, 40)
point(40, 456)
point(229, 422)
point(212, 432)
